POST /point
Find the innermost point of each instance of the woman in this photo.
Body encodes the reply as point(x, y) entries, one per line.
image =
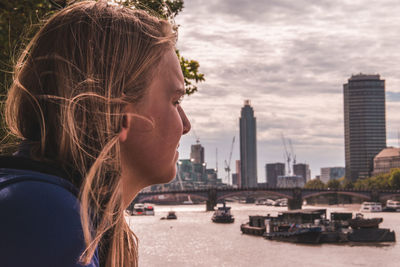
point(96, 102)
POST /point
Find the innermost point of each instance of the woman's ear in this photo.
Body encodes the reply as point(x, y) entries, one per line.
point(126, 121)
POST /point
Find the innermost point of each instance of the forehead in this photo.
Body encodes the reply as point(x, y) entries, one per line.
point(170, 70)
point(167, 79)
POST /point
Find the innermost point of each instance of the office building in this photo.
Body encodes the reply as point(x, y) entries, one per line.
point(273, 170)
point(197, 153)
point(331, 173)
point(364, 123)
point(290, 181)
point(387, 159)
point(248, 146)
point(303, 170)
point(235, 179)
point(236, 176)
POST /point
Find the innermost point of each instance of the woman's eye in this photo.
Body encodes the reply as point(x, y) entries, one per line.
point(179, 101)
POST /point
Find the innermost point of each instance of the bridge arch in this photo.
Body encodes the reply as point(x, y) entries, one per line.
point(348, 193)
point(222, 195)
point(150, 197)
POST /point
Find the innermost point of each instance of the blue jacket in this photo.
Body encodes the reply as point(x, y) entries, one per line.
point(39, 220)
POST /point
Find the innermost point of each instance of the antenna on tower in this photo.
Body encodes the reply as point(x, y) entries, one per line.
point(216, 161)
point(398, 138)
point(196, 136)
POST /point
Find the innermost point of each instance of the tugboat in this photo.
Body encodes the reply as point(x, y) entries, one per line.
point(367, 230)
point(360, 222)
point(223, 215)
point(255, 226)
point(171, 215)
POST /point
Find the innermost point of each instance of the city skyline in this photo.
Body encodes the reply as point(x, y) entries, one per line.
point(291, 60)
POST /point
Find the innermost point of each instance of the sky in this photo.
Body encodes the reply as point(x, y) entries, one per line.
point(290, 59)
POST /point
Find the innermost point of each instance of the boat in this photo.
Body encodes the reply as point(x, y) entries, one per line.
point(138, 209)
point(223, 215)
point(312, 226)
point(297, 226)
point(270, 202)
point(371, 207)
point(188, 201)
point(297, 234)
point(371, 235)
point(282, 202)
point(260, 202)
point(392, 205)
point(255, 226)
point(367, 230)
point(360, 222)
point(171, 216)
point(148, 209)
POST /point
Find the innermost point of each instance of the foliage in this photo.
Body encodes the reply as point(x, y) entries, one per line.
point(394, 180)
point(381, 181)
point(314, 184)
point(347, 184)
point(20, 20)
point(333, 184)
point(189, 69)
point(167, 9)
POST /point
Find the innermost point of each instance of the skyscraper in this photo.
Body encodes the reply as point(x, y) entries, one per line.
point(273, 171)
point(303, 170)
point(248, 146)
point(364, 123)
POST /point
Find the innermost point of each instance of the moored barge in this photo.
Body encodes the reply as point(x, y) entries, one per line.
point(312, 226)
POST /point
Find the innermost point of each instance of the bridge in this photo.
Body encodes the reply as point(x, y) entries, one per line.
point(295, 196)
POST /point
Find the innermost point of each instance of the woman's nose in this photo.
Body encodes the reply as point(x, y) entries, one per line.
point(185, 121)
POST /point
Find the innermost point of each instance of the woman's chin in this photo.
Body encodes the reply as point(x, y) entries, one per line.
point(166, 177)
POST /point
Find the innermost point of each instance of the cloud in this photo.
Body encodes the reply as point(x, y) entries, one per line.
point(291, 59)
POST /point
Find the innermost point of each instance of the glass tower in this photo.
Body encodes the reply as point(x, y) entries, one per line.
point(364, 123)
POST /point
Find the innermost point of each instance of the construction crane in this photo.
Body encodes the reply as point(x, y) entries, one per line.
point(228, 163)
point(288, 156)
point(292, 151)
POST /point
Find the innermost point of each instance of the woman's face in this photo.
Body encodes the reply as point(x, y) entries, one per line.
point(149, 145)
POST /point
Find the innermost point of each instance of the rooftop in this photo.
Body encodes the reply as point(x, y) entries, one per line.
point(363, 77)
point(389, 152)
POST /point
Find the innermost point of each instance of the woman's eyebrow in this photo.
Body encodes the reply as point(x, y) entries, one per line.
point(180, 91)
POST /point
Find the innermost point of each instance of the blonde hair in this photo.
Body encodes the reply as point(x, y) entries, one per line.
point(70, 86)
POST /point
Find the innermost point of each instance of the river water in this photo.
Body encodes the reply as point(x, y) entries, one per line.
point(194, 240)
